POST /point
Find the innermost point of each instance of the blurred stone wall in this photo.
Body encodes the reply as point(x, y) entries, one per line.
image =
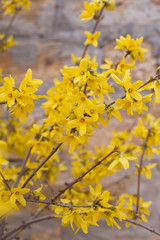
point(47, 35)
point(52, 30)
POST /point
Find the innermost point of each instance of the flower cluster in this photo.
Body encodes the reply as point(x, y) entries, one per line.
point(20, 100)
point(11, 6)
point(6, 43)
point(92, 9)
point(74, 107)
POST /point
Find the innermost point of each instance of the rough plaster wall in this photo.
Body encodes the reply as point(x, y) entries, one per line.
point(47, 35)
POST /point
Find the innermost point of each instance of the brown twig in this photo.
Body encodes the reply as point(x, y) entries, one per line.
point(10, 24)
point(139, 174)
point(3, 221)
point(26, 224)
point(2, 226)
point(58, 204)
point(23, 167)
point(149, 81)
point(48, 217)
point(142, 226)
point(41, 165)
point(5, 181)
point(94, 28)
point(116, 182)
point(82, 175)
point(4, 102)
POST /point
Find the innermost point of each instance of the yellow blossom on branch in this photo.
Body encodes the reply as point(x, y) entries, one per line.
point(10, 6)
point(92, 38)
point(89, 11)
point(20, 100)
point(132, 46)
point(6, 43)
point(17, 195)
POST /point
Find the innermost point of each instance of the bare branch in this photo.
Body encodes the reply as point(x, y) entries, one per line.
point(139, 174)
point(5, 181)
point(142, 226)
point(94, 28)
point(58, 204)
point(26, 224)
point(41, 165)
point(82, 175)
point(23, 167)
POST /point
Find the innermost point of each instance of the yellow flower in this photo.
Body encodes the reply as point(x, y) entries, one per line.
point(10, 6)
point(72, 140)
point(80, 72)
point(109, 5)
point(121, 161)
point(37, 193)
point(92, 38)
point(1, 75)
point(97, 194)
point(132, 90)
point(114, 112)
point(146, 170)
point(157, 90)
point(80, 123)
point(29, 81)
point(108, 64)
point(132, 46)
point(89, 11)
point(20, 100)
point(126, 78)
point(7, 92)
point(17, 195)
point(123, 66)
point(140, 130)
point(6, 43)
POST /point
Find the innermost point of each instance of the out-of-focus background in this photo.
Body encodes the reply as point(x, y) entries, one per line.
point(47, 35)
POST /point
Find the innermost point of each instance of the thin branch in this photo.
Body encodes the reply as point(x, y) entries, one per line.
point(94, 28)
point(2, 226)
point(39, 212)
point(58, 204)
point(125, 177)
point(3, 221)
point(85, 88)
point(36, 215)
point(41, 165)
point(142, 226)
point(23, 167)
point(4, 102)
point(139, 174)
point(149, 81)
point(5, 181)
point(82, 176)
point(10, 24)
point(26, 224)
point(48, 217)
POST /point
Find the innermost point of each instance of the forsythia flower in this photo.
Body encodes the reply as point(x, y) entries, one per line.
point(1, 75)
point(89, 11)
point(92, 9)
point(10, 6)
point(6, 43)
point(146, 170)
point(132, 46)
point(20, 100)
point(37, 193)
point(17, 195)
point(92, 38)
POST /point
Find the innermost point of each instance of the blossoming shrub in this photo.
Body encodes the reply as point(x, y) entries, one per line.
point(73, 108)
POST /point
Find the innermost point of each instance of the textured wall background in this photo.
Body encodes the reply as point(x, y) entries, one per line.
point(47, 35)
